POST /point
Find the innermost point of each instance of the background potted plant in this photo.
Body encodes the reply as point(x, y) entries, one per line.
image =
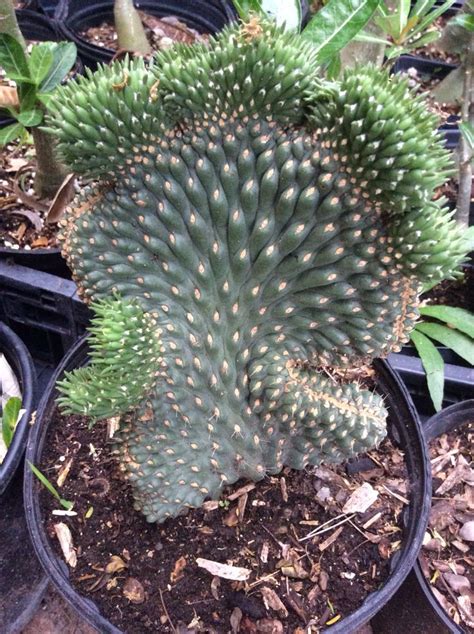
point(31, 79)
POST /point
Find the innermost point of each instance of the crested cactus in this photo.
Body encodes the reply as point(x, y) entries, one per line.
point(260, 225)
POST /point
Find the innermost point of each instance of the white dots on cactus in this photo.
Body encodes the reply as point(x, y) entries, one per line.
point(197, 363)
point(243, 254)
point(255, 290)
point(236, 336)
point(190, 317)
point(224, 367)
point(197, 293)
point(175, 290)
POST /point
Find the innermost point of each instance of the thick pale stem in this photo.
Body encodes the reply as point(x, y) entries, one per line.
point(130, 32)
point(8, 21)
point(465, 150)
point(50, 173)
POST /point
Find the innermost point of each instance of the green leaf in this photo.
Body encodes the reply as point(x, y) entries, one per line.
point(64, 56)
point(336, 24)
point(334, 67)
point(388, 24)
point(10, 415)
point(372, 39)
point(46, 483)
point(431, 36)
point(434, 15)
point(463, 20)
point(458, 318)
point(30, 118)
point(458, 342)
point(27, 96)
point(245, 7)
point(467, 130)
point(10, 133)
point(41, 58)
point(12, 57)
point(433, 365)
point(422, 7)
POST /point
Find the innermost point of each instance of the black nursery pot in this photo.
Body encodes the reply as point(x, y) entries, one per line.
point(20, 360)
point(443, 422)
point(415, 603)
point(75, 16)
point(405, 430)
point(35, 26)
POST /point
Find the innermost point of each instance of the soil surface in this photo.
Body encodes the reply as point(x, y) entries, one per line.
point(22, 215)
point(145, 578)
point(431, 51)
point(454, 292)
point(447, 558)
point(161, 33)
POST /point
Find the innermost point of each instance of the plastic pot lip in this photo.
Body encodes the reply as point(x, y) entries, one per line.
point(408, 428)
point(19, 358)
point(448, 419)
point(204, 16)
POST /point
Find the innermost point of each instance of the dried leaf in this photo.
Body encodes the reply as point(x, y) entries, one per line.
point(32, 216)
point(461, 473)
point(241, 505)
point(63, 197)
point(215, 585)
point(15, 163)
point(232, 518)
point(115, 564)
point(361, 499)
point(272, 601)
point(211, 505)
point(242, 491)
point(178, 571)
point(40, 242)
point(331, 539)
point(284, 491)
point(225, 571)
point(294, 569)
point(8, 96)
point(235, 619)
point(134, 591)
point(264, 552)
point(458, 583)
point(65, 540)
point(64, 472)
point(466, 531)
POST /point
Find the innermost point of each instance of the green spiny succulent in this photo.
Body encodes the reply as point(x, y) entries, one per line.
point(262, 225)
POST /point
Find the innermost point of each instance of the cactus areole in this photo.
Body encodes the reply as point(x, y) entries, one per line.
point(254, 226)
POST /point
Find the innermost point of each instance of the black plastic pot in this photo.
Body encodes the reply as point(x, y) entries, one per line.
point(414, 608)
point(75, 16)
point(438, 69)
point(405, 430)
point(22, 579)
point(20, 360)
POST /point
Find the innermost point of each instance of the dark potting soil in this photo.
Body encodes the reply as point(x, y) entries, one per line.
point(22, 214)
point(454, 292)
point(144, 577)
point(446, 558)
point(160, 33)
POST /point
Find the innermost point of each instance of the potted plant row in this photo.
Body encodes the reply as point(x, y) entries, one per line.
point(245, 263)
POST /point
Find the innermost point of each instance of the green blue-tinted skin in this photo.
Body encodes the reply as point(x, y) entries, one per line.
point(264, 227)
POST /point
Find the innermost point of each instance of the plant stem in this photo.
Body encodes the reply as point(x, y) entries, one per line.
point(8, 21)
point(130, 32)
point(465, 150)
point(50, 173)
